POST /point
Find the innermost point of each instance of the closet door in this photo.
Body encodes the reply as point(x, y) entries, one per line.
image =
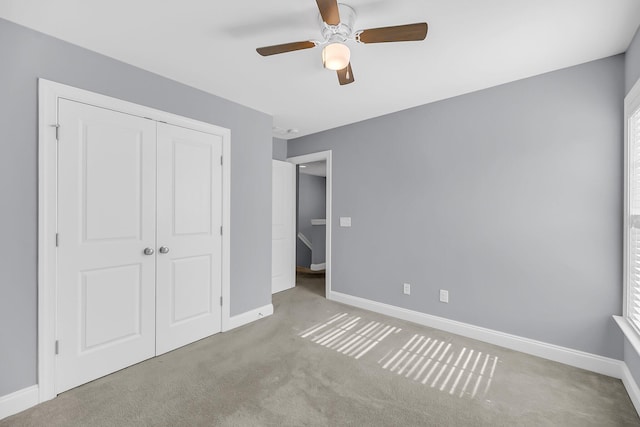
point(106, 219)
point(189, 216)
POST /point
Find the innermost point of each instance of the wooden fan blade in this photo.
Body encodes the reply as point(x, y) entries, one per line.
point(345, 76)
point(329, 11)
point(400, 33)
point(283, 48)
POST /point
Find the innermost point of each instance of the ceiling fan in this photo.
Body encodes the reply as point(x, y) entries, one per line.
point(337, 29)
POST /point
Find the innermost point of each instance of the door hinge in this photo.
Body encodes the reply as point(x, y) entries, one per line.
point(57, 346)
point(57, 131)
point(221, 230)
point(220, 160)
point(220, 301)
point(57, 239)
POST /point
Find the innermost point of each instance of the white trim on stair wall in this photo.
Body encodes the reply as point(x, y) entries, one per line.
point(580, 359)
point(305, 240)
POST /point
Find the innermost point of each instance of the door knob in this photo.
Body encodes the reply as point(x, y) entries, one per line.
point(148, 251)
point(164, 249)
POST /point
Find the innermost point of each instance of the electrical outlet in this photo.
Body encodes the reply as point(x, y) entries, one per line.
point(407, 289)
point(444, 296)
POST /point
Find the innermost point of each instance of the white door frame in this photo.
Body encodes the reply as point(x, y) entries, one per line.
point(319, 157)
point(48, 94)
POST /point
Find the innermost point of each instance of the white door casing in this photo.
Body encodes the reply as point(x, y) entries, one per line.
point(189, 216)
point(50, 95)
point(106, 218)
point(327, 157)
point(283, 230)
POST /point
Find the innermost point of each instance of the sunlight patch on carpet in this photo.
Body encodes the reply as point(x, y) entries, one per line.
point(349, 335)
point(437, 364)
point(461, 372)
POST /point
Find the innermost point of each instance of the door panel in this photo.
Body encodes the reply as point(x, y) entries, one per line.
point(283, 249)
point(192, 187)
point(110, 305)
point(191, 293)
point(106, 217)
point(112, 196)
point(189, 275)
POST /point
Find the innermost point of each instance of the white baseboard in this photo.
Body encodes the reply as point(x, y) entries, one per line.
point(249, 316)
point(577, 358)
point(28, 397)
point(632, 387)
point(319, 267)
point(19, 401)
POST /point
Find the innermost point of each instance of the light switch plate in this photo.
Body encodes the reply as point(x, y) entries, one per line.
point(345, 221)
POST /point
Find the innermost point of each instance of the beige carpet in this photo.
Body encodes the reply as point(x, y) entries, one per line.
point(315, 362)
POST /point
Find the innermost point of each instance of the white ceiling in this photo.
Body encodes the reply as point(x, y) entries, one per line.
point(314, 168)
point(211, 44)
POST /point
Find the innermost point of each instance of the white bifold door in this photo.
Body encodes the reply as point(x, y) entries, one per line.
point(283, 226)
point(139, 246)
point(189, 267)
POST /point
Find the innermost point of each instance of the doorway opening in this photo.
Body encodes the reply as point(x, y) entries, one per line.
point(313, 222)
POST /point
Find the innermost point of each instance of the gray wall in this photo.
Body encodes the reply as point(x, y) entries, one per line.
point(311, 205)
point(318, 240)
point(279, 149)
point(510, 198)
point(303, 254)
point(27, 55)
point(632, 62)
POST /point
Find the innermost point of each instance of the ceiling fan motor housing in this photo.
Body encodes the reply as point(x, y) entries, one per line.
point(344, 30)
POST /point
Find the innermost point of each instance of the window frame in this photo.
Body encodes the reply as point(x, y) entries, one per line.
point(631, 107)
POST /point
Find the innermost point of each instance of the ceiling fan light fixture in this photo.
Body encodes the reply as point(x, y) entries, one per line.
point(335, 56)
